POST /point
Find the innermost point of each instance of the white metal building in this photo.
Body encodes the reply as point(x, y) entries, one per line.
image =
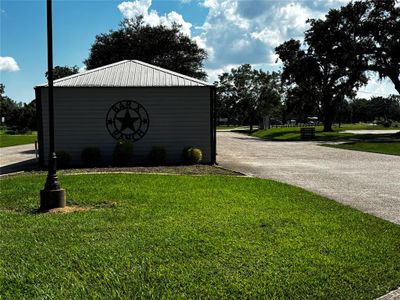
point(129, 100)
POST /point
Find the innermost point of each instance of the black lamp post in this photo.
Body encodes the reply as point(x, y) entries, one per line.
point(52, 196)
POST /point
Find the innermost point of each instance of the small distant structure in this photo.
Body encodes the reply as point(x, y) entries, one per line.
point(312, 120)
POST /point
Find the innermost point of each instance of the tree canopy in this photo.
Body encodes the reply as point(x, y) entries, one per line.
point(247, 94)
point(315, 72)
point(337, 54)
point(363, 35)
point(60, 72)
point(158, 45)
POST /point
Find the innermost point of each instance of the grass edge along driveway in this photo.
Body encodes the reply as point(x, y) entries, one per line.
point(391, 148)
point(190, 237)
point(293, 133)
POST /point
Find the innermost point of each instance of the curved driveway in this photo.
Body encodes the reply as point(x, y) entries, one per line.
point(367, 181)
point(17, 158)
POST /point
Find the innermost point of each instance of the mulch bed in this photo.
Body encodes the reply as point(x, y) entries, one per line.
point(181, 170)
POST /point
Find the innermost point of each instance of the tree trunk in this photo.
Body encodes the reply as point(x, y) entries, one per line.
point(328, 126)
point(329, 115)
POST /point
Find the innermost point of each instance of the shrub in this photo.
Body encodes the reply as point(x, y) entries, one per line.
point(91, 156)
point(192, 155)
point(63, 159)
point(384, 122)
point(123, 153)
point(157, 155)
point(17, 130)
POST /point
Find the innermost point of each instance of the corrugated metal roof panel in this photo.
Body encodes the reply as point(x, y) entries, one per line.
point(128, 73)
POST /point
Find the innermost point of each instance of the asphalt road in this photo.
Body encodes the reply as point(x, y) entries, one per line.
point(369, 182)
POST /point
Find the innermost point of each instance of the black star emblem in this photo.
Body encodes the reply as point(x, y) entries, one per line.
point(127, 121)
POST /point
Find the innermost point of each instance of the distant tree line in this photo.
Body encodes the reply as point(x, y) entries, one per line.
point(245, 95)
point(20, 116)
point(381, 109)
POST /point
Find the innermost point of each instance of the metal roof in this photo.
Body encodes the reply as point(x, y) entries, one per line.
point(128, 73)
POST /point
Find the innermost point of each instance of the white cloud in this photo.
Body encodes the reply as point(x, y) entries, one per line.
point(132, 9)
point(269, 36)
point(238, 32)
point(82, 69)
point(295, 15)
point(8, 63)
point(214, 73)
point(377, 87)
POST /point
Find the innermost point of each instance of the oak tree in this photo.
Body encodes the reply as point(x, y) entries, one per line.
point(159, 45)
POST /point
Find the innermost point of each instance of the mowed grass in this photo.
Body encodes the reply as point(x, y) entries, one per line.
point(14, 140)
point(293, 133)
point(153, 236)
point(378, 147)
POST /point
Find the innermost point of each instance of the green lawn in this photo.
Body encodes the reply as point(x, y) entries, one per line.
point(17, 139)
point(153, 236)
point(378, 147)
point(293, 134)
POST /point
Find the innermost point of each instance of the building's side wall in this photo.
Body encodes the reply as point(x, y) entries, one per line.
point(178, 117)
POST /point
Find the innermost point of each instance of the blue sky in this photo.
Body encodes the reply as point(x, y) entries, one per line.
point(232, 31)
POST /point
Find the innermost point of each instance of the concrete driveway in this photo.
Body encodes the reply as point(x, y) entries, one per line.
point(367, 181)
point(17, 158)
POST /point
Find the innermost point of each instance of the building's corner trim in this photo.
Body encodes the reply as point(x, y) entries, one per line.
point(213, 129)
point(39, 120)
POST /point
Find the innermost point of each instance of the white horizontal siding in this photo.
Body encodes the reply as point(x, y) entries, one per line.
point(179, 117)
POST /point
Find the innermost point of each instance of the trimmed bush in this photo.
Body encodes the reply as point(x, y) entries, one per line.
point(63, 159)
point(91, 156)
point(192, 155)
point(123, 153)
point(384, 122)
point(17, 130)
point(157, 155)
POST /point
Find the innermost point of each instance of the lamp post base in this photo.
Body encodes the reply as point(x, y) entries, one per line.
point(52, 199)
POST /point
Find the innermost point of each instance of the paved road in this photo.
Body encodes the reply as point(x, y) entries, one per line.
point(17, 158)
point(379, 131)
point(367, 181)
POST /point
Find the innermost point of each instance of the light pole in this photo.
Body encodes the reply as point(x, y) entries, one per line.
point(52, 196)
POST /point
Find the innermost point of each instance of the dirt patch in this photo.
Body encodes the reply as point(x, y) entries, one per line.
point(66, 209)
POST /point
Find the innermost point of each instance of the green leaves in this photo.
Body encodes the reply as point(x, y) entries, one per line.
point(158, 45)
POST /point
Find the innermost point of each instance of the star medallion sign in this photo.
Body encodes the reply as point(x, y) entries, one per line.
point(127, 120)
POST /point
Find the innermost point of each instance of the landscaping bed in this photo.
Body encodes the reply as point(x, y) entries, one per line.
point(152, 236)
point(178, 170)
